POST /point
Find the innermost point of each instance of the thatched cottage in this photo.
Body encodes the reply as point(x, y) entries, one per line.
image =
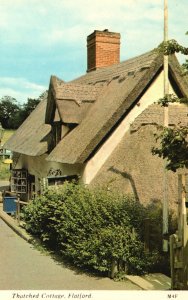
point(100, 127)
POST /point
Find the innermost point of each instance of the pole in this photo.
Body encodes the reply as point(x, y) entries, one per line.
point(18, 209)
point(166, 80)
point(166, 93)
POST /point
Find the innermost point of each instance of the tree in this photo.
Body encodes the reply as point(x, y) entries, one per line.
point(173, 141)
point(9, 110)
point(13, 114)
point(27, 108)
point(30, 105)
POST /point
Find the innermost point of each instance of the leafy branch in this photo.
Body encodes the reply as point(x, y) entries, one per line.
point(173, 141)
point(173, 147)
point(185, 67)
point(170, 47)
point(171, 98)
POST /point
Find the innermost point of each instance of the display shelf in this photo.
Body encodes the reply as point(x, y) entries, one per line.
point(19, 181)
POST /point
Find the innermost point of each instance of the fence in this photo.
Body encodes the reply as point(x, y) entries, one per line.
point(179, 241)
point(18, 205)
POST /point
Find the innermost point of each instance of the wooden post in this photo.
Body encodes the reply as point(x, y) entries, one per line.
point(172, 260)
point(18, 210)
point(113, 269)
point(166, 93)
point(146, 234)
point(179, 241)
point(166, 80)
point(184, 235)
point(180, 220)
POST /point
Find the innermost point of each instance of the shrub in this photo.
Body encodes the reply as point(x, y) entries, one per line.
point(91, 228)
point(42, 217)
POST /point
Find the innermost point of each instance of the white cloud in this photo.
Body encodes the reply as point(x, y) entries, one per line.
point(53, 33)
point(55, 21)
point(31, 20)
point(20, 88)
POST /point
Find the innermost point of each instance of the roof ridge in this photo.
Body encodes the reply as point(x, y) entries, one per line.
point(105, 74)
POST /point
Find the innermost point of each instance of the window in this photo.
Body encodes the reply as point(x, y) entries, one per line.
point(56, 133)
point(59, 180)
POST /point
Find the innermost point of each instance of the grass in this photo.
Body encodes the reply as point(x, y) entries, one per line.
point(7, 134)
point(5, 168)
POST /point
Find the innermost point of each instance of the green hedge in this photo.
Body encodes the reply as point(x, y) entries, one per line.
point(91, 228)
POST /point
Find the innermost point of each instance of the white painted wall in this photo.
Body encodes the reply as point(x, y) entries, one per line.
point(40, 167)
point(153, 94)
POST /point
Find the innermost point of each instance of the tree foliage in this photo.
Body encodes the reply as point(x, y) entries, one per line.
point(171, 46)
point(27, 108)
point(171, 98)
point(173, 141)
point(13, 114)
point(173, 147)
point(9, 112)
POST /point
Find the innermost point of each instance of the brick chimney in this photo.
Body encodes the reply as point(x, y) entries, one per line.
point(103, 49)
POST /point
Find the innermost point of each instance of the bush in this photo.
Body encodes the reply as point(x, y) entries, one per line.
point(91, 228)
point(42, 217)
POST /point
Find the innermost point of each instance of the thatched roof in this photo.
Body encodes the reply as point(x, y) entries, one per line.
point(30, 137)
point(97, 102)
point(71, 100)
point(74, 100)
point(124, 84)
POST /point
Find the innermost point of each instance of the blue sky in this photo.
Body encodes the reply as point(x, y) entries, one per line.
point(41, 38)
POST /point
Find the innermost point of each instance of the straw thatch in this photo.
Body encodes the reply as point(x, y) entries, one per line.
point(96, 102)
point(31, 138)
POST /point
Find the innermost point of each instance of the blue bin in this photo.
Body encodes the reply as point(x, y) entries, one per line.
point(9, 204)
